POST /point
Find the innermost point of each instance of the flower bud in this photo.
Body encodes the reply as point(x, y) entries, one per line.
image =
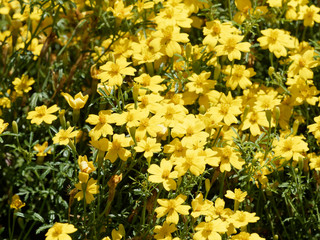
point(15, 127)
point(270, 71)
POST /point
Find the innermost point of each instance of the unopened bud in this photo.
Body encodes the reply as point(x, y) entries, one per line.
point(277, 111)
point(207, 184)
point(270, 71)
point(295, 126)
point(62, 118)
point(202, 109)
point(15, 128)
point(217, 71)
point(188, 50)
point(269, 115)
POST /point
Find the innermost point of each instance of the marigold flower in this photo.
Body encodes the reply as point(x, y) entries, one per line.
point(114, 72)
point(42, 114)
point(23, 84)
point(86, 185)
point(210, 230)
point(3, 125)
point(237, 195)
point(164, 231)
point(309, 14)
point(148, 146)
point(162, 174)
point(172, 207)
point(232, 46)
point(16, 202)
point(117, 148)
point(63, 136)
point(77, 102)
point(242, 218)
point(84, 165)
point(60, 231)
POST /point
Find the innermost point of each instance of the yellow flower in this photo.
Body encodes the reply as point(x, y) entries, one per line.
point(23, 85)
point(238, 75)
point(246, 236)
point(232, 46)
point(42, 114)
point(87, 186)
point(84, 165)
point(164, 231)
point(309, 15)
point(166, 40)
point(162, 174)
point(60, 231)
point(315, 128)
point(114, 72)
point(63, 136)
point(120, 11)
point(102, 128)
point(41, 149)
point(172, 207)
point(77, 102)
point(148, 146)
point(192, 161)
point(314, 161)
point(302, 64)
point(3, 125)
point(117, 148)
point(210, 230)
point(200, 206)
point(290, 147)
point(275, 3)
point(16, 203)
point(253, 121)
point(226, 156)
point(237, 195)
point(226, 110)
point(241, 218)
point(200, 83)
point(276, 40)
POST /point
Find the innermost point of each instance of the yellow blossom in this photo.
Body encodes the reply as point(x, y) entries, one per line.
point(43, 114)
point(77, 102)
point(86, 185)
point(23, 84)
point(63, 136)
point(172, 207)
point(60, 231)
point(16, 202)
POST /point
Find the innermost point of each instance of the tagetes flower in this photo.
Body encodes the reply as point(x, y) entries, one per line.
point(314, 161)
point(41, 149)
point(309, 15)
point(114, 72)
point(23, 84)
point(77, 102)
point(315, 128)
point(210, 230)
point(16, 202)
point(85, 165)
point(102, 128)
point(237, 195)
point(242, 218)
point(117, 148)
point(172, 207)
point(238, 75)
point(246, 236)
point(86, 185)
point(232, 46)
point(148, 146)
point(63, 136)
point(43, 114)
point(200, 206)
point(276, 40)
point(164, 231)
point(290, 147)
point(163, 174)
point(302, 64)
point(60, 231)
point(167, 40)
point(3, 125)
